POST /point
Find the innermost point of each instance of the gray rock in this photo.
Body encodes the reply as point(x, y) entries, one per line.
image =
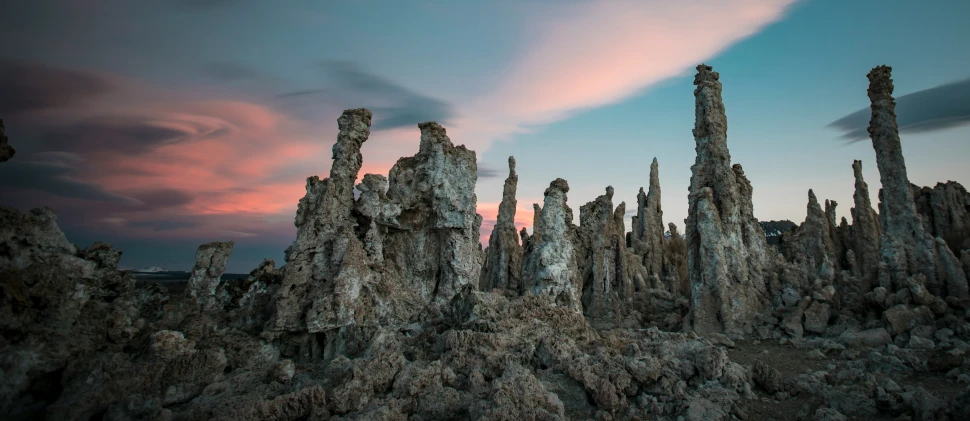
point(901, 318)
point(905, 245)
point(503, 258)
point(829, 414)
point(866, 338)
point(210, 264)
point(865, 230)
point(817, 317)
point(916, 342)
point(721, 226)
point(550, 270)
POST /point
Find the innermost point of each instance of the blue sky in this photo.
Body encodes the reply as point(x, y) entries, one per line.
point(182, 122)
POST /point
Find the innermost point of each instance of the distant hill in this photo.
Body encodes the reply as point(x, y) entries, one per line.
point(774, 229)
point(151, 269)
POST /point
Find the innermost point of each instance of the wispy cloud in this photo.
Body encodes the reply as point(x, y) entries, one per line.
point(594, 53)
point(30, 87)
point(937, 108)
point(394, 105)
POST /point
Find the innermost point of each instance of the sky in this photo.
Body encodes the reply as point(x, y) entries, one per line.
point(158, 126)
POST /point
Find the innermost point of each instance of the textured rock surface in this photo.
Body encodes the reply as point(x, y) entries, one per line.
point(314, 295)
point(648, 231)
point(675, 263)
point(57, 307)
point(811, 244)
point(614, 280)
point(210, 264)
point(6, 151)
point(435, 251)
point(376, 313)
point(907, 249)
point(550, 269)
point(503, 258)
point(726, 247)
point(865, 230)
point(945, 210)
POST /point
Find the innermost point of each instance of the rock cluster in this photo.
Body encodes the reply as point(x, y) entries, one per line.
point(388, 308)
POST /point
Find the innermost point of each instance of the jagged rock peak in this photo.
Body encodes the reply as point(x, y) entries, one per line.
point(506, 209)
point(557, 184)
point(865, 230)
point(6, 151)
point(433, 133)
point(503, 259)
point(649, 228)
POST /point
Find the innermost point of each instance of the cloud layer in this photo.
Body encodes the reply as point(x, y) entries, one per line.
point(937, 108)
point(596, 53)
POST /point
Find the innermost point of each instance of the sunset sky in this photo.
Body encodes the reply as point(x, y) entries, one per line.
point(158, 126)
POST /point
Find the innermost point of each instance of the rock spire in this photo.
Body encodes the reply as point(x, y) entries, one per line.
point(906, 248)
point(503, 258)
point(550, 270)
point(726, 247)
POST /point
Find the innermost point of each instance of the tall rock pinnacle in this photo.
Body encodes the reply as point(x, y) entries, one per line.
point(865, 230)
point(648, 230)
point(323, 221)
point(905, 246)
point(726, 247)
point(503, 259)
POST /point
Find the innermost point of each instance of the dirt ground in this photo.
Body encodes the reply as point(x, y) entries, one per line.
point(791, 361)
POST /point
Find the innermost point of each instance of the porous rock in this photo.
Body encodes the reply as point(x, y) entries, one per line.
point(210, 264)
point(503, 257)
point(550, 270)
point(721, 227)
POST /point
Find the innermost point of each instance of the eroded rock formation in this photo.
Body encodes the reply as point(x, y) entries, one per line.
point(648, 227)
point(376, 313)
point(503, 258)
point(865, 230)
point(726, 247)
point(210, 264)
point(435, 250)
point(906, 247)
point(550, 270)
point(325, 269)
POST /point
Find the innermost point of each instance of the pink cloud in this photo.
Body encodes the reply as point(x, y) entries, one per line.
point(489, 213)
point(597, 53)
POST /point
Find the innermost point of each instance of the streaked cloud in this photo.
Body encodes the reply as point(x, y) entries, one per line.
point(937, 108)
point(596, 53)
point(28, 87)
point(394, 105)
